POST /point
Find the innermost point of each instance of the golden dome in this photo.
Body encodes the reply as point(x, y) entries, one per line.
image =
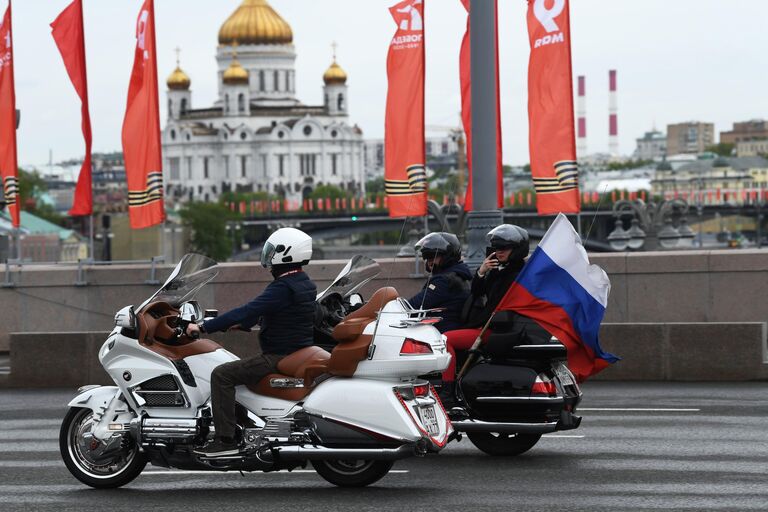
point(235, 74)
point(178, 80)
point(334, 74)
point(255, 22)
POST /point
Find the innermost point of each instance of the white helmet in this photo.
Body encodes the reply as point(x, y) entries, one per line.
point(287, 246)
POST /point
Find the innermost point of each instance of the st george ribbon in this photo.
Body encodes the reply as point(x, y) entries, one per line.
point(141, 129)
point(552, 138)
point(405, 178)
point(69, 34)
point(8, 158)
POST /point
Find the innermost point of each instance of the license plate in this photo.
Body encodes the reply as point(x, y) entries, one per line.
point(564, 375)
point(429, 419)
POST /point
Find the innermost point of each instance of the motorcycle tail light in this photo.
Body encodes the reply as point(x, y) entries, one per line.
point(413, 347)
point(543, 386)
point(421, 390)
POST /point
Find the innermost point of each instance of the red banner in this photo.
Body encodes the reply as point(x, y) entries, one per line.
point(141, 129)
point(552, 140)
point(8, 160)
point(405, 177)
point(69, 34)
point(466, 115)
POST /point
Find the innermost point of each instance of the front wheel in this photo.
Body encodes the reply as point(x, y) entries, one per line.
point(503, 444)
point(352, 473)
point(90, 461)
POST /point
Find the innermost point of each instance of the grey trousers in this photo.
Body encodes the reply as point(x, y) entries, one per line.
point(223, 381)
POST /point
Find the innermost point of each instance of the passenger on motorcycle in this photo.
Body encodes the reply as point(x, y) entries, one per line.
point(448, 283)
point(508, 248)
point(285, 311)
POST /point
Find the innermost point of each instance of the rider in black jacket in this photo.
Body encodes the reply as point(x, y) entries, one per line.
point(285, 311)
point(448, 283)
point(508, 247)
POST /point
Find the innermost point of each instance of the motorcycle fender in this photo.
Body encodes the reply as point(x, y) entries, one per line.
point(365, 404)
point(94, 398)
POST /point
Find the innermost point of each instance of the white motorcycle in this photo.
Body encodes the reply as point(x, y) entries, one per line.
point(350, 413)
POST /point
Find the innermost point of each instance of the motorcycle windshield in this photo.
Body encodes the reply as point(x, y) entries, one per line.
point(358, 271)
point(191, 274)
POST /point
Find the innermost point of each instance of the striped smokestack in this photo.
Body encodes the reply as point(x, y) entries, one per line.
point(613, 117)
point(581, 118)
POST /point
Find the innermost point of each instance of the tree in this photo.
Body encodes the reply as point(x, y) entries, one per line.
point(721, 148)
point(329, 191)
point(208, 223)
point(32, 188)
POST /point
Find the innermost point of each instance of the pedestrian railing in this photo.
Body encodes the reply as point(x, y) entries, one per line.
point(81, 267)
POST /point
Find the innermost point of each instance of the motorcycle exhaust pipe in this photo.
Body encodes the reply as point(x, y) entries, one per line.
point(322, 453)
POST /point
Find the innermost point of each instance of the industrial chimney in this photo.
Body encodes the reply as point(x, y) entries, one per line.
point(613, 119)
point(581, 119)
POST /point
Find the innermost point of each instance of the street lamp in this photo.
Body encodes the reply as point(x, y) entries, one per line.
point(653, 225)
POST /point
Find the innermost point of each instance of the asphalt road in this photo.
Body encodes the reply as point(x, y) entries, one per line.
point(695, 447)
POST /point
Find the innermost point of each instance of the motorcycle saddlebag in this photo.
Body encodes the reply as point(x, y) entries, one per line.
point(509, 330)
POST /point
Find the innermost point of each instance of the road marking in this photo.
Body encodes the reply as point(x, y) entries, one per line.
point(193, 472)
point(639, 409)
point(563, 436)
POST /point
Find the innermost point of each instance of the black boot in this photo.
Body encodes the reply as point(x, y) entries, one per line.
point(447, 395)
point(219, 447)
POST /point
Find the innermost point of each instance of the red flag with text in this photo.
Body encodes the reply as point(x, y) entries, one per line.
point(8, 160)
point(69, 34)
point(405, 176)
point(466, 115)
point(552, 139)
point(141, 129)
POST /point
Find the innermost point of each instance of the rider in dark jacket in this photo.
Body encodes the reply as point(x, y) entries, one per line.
point(448, 283)
point(508, 248)
point(285, 311)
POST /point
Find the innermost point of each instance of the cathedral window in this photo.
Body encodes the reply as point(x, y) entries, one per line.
point(334, 134)
point(173, 164)
point(281, 164)
point(287, 81)
point(205, 167)
point(226, 103)
point(326, 101)
point(241, 103)
point(183, 106)
point(307, 130)
point(243, 135)
point(276, 80)
point(173, 134)
point(243, 159)
point(334, 163)
point(340, 104)
point(226, 166)
point(170, 107)
point(261, 81)
point(189, 167)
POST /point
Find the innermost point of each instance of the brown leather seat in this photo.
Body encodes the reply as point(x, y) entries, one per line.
point(150, 328)
point(293, 365)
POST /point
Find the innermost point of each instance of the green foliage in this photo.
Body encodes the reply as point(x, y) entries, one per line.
point(329, 191)
point(32, 188)
point(721, 148)
point(208, 223)
point(237, 197)
point(629, 164)
point(375, 186)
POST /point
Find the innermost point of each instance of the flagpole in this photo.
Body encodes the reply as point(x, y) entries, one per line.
point(90, 229)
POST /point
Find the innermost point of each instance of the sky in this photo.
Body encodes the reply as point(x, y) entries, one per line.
point(677, 60)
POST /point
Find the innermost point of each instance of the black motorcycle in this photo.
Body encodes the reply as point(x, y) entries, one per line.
point(516, 387)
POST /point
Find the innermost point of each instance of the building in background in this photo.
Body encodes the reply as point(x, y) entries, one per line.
point(752, 148)
point(651, 146)
point(258, 136)
point(756, 129)
point(725, 177)
point(690, 137)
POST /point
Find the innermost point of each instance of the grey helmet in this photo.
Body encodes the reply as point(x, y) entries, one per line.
point(509, 236)
point(445, 244)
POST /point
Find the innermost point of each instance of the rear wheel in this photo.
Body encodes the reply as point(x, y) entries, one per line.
point(352, 473)
point(503, 444)
point(89, 461)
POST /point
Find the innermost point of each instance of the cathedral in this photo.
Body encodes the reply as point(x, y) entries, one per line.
point(258, 136)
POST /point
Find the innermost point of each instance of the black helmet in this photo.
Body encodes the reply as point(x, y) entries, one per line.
point(445, 244)
point(509, 236)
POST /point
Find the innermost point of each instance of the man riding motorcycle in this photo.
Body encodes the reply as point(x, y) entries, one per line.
point(510, 246)
point(285, 311)
point(448, 283)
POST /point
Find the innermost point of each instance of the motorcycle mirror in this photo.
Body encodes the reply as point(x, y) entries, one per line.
point(188, 312)
point(355, 300)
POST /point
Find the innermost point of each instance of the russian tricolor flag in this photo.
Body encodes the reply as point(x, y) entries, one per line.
point(567, 296)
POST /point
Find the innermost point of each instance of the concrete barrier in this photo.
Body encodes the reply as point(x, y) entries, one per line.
point(658, 352)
